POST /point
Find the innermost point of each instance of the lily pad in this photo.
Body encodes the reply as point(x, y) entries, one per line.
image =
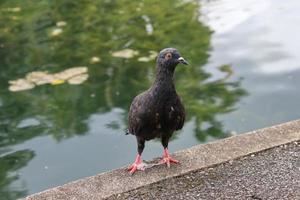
point(125, 53)
point(20, 85)
point(78, 79)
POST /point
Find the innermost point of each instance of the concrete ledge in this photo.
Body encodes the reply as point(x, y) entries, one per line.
point(201, 156)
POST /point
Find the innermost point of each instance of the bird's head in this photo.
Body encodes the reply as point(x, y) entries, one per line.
point(169, 58)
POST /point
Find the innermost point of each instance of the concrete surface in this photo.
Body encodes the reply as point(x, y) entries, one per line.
point(271, 174)
point(194, 159)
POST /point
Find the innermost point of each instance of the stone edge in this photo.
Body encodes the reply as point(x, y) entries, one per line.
point(195, 158)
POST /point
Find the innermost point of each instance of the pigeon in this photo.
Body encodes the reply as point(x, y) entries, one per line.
point(158, 111)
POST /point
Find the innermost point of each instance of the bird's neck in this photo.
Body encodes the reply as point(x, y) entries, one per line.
point(164, 79)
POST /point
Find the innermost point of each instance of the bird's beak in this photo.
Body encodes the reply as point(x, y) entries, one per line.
point(182, 60)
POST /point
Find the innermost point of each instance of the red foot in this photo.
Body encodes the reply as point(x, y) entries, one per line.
point(135, 166)
point(167, 159)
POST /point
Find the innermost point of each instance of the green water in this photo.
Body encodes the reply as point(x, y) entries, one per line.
point(53, 134)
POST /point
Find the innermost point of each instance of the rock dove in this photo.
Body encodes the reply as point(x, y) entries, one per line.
point(158, 111)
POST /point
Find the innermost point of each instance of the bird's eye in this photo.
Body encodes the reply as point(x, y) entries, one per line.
point(168, 56)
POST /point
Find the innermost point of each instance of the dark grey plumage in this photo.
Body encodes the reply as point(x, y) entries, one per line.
point(158, 111)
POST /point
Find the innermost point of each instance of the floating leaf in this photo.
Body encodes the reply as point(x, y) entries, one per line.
point(125, 53)
point(40, 77)
point(56, 32)
point(152, 56)
point(16, 9)
point(78, 79)
point(61, 23)
point(74, 75)
point(144, 59)
point(15, 18)
point(94, 60)
point(20, 85)
point(57, 82)
point(71, 72)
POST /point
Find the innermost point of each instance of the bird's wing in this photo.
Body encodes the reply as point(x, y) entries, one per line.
point(176, 114)
point(140, 115)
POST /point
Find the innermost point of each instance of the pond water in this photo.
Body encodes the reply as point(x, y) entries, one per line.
point(243, 76)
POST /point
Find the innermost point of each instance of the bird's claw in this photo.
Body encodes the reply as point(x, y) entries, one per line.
point(132, 169)
point(136, 166)
point(168, 160)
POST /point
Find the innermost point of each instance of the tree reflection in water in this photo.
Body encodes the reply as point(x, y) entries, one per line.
point(52, 35)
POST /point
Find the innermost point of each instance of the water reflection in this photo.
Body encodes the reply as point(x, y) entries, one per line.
point(56, 35)
point(10, 163)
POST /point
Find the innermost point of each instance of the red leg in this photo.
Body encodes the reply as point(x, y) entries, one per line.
point(167, 159)
point(135, 166)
